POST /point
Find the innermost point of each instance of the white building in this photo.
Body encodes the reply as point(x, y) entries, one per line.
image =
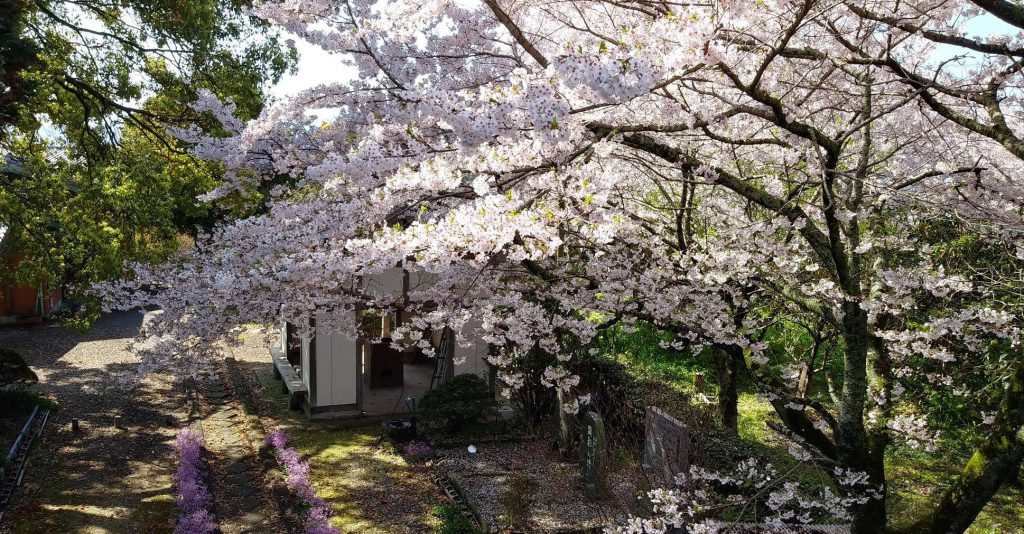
point(331, 375)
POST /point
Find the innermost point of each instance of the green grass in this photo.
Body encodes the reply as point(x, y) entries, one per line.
point(642, 351)
point(371, 488)
point(451, 521)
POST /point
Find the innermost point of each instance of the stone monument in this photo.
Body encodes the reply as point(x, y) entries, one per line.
point(666, 447)
point(567, 428)
point(593, 454)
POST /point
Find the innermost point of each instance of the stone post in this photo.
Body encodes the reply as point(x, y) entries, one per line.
point(566, 428)
point(593, 455)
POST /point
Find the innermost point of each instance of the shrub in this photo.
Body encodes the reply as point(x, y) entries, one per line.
point(462, 400)
point(453, 522)
point(532, 398)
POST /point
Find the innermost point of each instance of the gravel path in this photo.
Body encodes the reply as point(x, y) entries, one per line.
point(115, 474)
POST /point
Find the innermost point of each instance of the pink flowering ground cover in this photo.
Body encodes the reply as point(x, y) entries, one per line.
point(318, 516)
point(193, 496)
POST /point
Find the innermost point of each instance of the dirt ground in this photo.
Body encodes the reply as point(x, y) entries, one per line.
point(114, 475)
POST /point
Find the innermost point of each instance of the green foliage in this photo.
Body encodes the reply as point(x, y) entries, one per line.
point(103, 182)
point(641, 347)
point(461, 401)
point(452, 521)
point(17, 55)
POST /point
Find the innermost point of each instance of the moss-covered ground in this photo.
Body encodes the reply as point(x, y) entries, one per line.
point(371, 487)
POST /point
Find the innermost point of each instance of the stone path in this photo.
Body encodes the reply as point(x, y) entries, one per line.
point(242, 501)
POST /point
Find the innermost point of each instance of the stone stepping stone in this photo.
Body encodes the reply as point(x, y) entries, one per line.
point(237, 467)
point(253, 518)
point(243, 491)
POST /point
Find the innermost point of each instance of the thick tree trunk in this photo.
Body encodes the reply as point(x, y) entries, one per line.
point(854, 450)
point(993, 464)
point(727, 365)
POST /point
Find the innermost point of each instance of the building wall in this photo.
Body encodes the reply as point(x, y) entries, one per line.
point(22, 300)
point(337, 370)
point(304, 365)
point(391, 282)
point(471, 358)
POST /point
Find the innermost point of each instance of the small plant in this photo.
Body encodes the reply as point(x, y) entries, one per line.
point(453, 522)
point(194, 498)
point(19, 400)
point(517, 502)
point(462, 400)
point(417, 451)
point(318, 516)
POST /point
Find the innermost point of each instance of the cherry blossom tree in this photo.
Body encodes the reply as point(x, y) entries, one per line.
point(715, 169)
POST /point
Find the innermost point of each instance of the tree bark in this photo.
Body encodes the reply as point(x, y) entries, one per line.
point(727, 366)
point(853, 447)
point(994, 463)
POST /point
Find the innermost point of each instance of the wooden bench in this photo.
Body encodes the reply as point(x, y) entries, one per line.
point(291, 383)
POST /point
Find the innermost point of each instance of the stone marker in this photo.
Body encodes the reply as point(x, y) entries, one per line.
point(593, 454)
point(566, 428)
point(666, 447)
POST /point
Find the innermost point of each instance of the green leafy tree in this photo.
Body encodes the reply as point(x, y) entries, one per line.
point(88, 93)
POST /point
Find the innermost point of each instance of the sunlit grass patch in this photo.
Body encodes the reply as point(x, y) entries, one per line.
point(370, 487)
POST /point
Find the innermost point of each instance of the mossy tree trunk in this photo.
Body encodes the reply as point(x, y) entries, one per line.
point(854, 448)
point(727, 364)
point(995, 462)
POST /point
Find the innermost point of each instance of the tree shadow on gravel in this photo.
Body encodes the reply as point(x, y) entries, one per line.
point(114, 474)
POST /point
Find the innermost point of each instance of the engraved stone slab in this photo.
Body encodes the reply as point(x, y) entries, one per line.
point(666, 447)
point(566, 428)
point(593, 454)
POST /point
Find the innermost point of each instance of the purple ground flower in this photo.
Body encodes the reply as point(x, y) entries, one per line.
point(297, 474)
point(417, 449)
point(194, 498)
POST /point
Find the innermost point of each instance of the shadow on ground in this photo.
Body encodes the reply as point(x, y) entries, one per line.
point(114, 475)
point(371, 488)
